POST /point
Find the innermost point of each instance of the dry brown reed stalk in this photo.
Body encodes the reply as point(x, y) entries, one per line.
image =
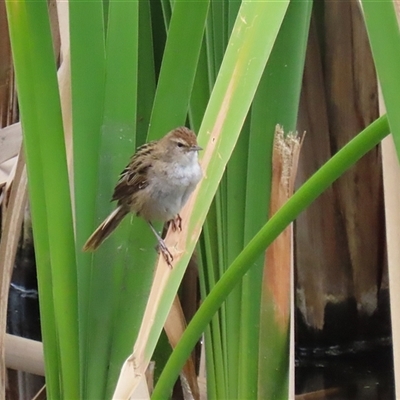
point(339, 99)
point(278, 271)
point(279, 255)
point(174, 327)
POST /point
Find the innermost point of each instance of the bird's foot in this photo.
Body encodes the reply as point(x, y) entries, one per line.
point(176, 223)
point(168, 257)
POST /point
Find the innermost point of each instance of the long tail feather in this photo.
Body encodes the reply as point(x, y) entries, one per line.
point(105, 229)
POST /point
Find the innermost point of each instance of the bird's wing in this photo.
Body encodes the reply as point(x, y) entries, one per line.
point(133, 177)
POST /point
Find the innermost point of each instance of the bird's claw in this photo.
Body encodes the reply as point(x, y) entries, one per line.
point(168, 257)
point(176, 223)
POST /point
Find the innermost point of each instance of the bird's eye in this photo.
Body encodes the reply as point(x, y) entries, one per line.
point(179, 144)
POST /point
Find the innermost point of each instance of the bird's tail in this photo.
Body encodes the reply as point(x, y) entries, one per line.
point(105, 229)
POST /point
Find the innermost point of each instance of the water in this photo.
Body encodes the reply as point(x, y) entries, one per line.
point(363, 371)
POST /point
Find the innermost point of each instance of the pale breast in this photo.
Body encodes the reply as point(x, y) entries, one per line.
point(169, 189)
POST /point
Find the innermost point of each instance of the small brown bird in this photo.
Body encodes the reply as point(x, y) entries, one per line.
point(155, 185)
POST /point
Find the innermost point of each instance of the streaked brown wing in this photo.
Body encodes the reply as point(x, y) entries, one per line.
point(133, 177)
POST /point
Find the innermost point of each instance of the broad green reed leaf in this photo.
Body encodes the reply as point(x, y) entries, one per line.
point(146, 72)
point(178, 69)
point(384, 37)
point(87, 43)
point(49, 192)
point(115, 261)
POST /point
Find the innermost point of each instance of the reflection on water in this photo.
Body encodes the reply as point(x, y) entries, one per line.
point(357, 375)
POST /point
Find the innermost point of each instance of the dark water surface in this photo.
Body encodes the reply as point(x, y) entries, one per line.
point(357, 374)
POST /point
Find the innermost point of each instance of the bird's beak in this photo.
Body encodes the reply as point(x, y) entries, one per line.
point(196, 148)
